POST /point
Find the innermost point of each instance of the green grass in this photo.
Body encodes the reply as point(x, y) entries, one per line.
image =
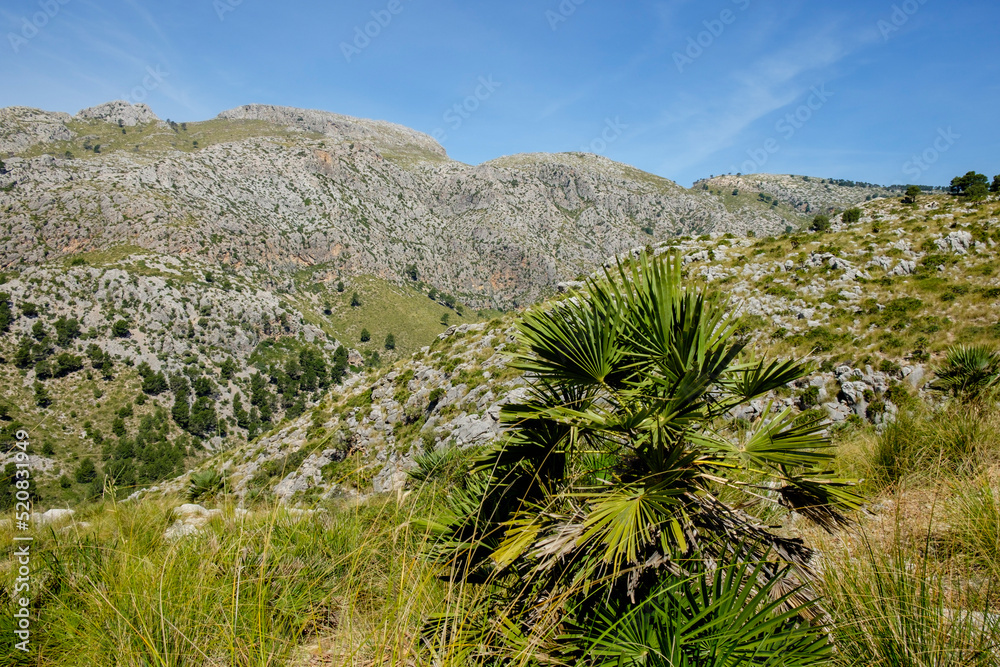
point(973, 514)
point(917, 581)
point(402, 310)
point(152, 139)
point(265, 589)
point(923, 444)
point(894, 608)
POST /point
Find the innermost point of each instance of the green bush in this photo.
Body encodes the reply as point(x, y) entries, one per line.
point(809, 398)
point(205, 483)
point(434, 398)
point(851, 215)
point(969, 373)
point(821, 223)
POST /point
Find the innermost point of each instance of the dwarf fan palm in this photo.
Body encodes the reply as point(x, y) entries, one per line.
point(969, 373)
point(609, 481)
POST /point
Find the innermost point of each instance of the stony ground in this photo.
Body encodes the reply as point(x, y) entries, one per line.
point(874, 304)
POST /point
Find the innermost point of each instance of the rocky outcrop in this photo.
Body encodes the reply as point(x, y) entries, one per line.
point(21, 128)
point(806, 195)
point(119, 112)
point(344, 128)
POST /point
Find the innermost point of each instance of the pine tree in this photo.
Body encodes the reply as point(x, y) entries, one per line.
point(86, 471)
point(42, 398)
point(181, 410)
point(340, 365)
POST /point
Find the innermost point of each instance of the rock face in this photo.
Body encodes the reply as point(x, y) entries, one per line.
point(120, 112)
point(51, 516)
point(21, 128)
point(805, 195)
point(190, 519)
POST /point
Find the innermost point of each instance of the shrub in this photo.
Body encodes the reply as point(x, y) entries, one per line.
point(809, 398)
point(968, 373)
point(820, 223)
point(611, 466)
point(851, 215)
point(437, 393)
point(205, 483)
point(889, 367)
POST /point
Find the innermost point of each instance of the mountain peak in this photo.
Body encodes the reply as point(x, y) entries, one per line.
point(380, 132)
point(121, 112)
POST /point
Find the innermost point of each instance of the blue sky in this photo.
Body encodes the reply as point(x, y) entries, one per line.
point(887, 92)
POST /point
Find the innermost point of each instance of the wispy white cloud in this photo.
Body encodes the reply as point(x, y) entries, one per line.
point(701, 126)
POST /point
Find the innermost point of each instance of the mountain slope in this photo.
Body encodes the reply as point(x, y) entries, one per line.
point(873, 304)
point(268, 190)
point(173, 290)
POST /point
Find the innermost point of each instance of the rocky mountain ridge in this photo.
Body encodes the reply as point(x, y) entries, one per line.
point(273, 189)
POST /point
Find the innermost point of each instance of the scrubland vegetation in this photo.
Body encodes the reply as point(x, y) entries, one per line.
point(625, 521)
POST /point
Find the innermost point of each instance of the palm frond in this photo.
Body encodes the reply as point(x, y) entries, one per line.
point(783, 440)
point(721, 615)
point(757, 379)
point(573, 342)
point(968, 372)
